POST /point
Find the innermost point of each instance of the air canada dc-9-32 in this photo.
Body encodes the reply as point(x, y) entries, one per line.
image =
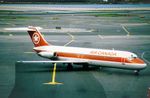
point(84, 56)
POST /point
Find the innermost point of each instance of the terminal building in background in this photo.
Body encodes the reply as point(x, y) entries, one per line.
point(83, 1)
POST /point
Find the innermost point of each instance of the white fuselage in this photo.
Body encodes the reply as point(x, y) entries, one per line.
point(97, 57)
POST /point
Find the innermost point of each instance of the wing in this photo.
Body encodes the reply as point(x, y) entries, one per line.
point(53, 61)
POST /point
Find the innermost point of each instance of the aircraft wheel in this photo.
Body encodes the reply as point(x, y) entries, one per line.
point(136, 72)
point(85, 66)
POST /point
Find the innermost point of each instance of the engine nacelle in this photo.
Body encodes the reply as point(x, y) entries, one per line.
point(50, 55)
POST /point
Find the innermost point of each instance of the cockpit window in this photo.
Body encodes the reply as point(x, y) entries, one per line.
point(132, 57)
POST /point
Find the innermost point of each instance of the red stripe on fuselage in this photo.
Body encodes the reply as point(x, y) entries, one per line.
point(93, 57)
point(102, 58)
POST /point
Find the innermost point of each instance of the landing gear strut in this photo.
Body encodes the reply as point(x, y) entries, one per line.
point(69, 66)
point(136, 72)
point(85, 66)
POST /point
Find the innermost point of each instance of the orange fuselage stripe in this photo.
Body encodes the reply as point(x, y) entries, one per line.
point(102, 58)
point(93, 57)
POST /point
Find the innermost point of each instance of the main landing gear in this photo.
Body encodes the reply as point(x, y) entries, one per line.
point(85, 66)
point(69, 66)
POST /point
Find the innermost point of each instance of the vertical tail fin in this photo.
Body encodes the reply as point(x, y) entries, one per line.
point(36, 37)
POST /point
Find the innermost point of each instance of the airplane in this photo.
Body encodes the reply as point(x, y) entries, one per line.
point(85, 56)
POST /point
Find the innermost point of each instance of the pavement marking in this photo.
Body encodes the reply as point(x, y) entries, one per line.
point(72, 39)
point(10, 35)
point(100, 36)
point(134, 24)
point(142, 56)
point(53, 82)
point(124, 28)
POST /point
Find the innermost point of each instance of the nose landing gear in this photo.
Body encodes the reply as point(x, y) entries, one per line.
point(136, 72)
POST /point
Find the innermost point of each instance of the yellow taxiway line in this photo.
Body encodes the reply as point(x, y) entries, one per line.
point(124, 28)
point(72, 39)
point(53, 77)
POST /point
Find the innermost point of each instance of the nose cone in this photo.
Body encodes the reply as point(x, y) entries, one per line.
point(143, 65)
point(140, 63)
